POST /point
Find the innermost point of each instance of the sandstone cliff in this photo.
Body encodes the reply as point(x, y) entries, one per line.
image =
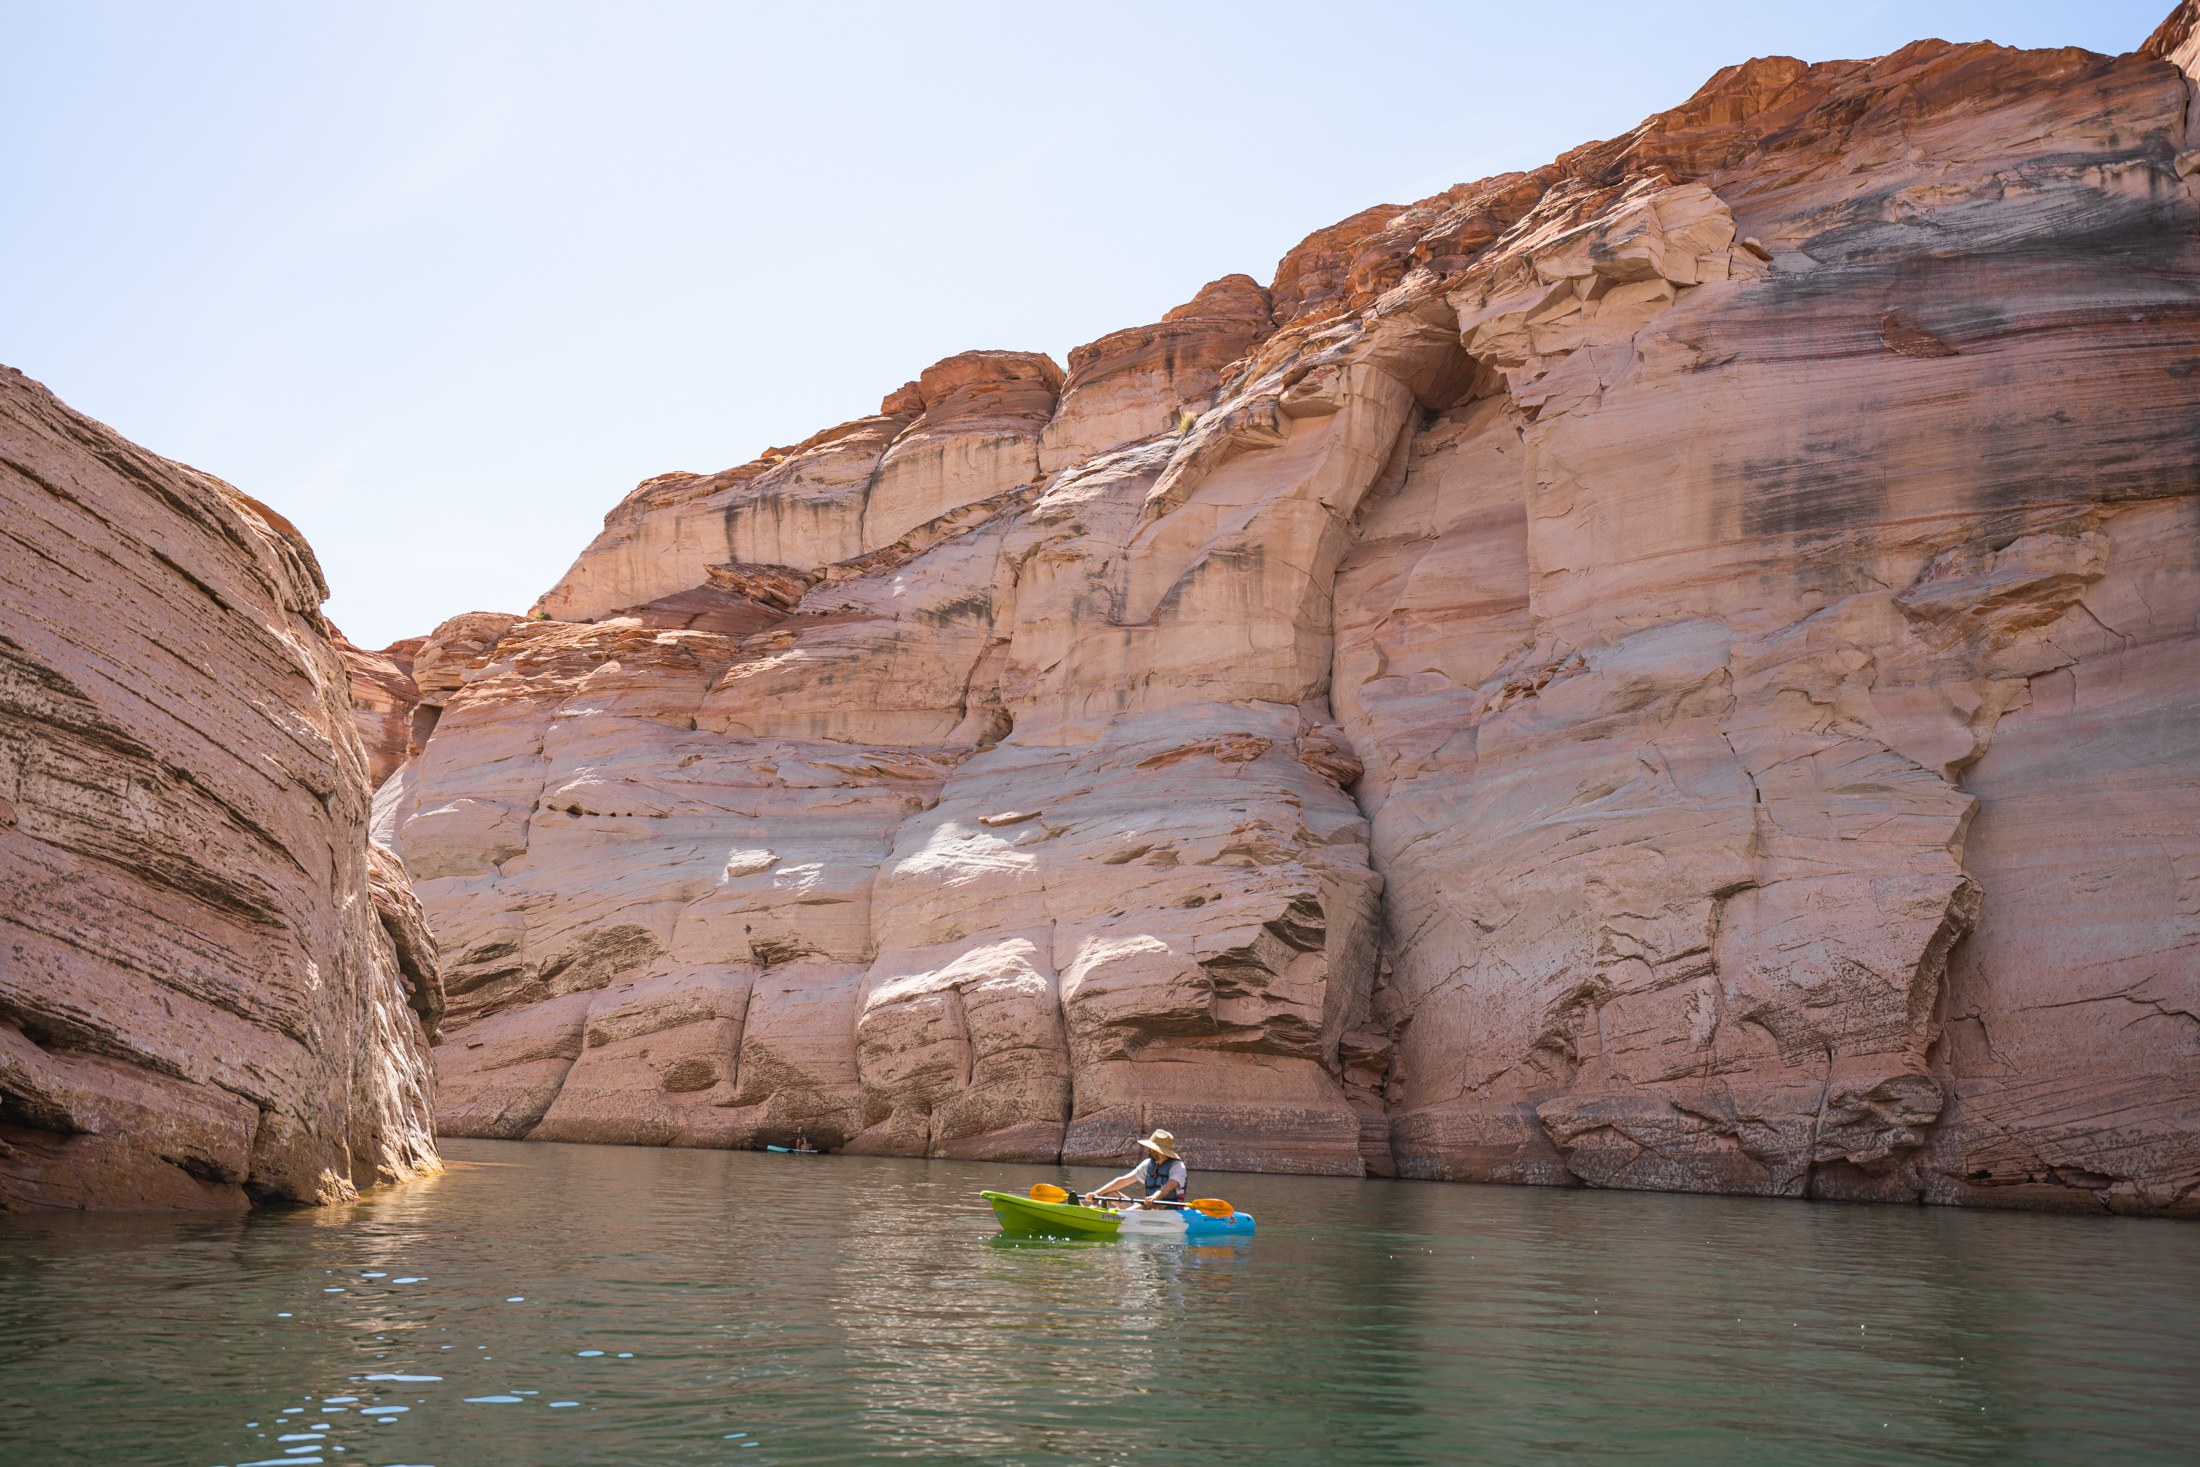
point(211, 989)
point(383, 701)
point(1676, 669)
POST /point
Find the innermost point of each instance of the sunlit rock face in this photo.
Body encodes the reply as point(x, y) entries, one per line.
point(212, 990)
point(964, 432)
point(1673, 670)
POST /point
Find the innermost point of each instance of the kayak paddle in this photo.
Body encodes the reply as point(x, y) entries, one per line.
point(1212, 1206)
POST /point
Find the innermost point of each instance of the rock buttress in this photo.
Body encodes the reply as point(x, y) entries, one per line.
point(210, 992)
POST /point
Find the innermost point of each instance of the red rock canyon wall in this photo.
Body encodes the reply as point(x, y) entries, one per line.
point(1679, 669)
point(212, 991)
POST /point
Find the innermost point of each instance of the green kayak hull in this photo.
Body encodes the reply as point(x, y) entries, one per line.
point(1026, 1218)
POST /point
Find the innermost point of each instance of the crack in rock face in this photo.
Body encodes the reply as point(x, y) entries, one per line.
point(1622, 674)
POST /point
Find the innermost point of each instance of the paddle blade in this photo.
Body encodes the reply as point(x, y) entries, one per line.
point(1048, 1192)
point(1213, 1207)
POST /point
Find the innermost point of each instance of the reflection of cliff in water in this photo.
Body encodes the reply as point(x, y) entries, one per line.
point(839, 1310)
point(1772, 1325)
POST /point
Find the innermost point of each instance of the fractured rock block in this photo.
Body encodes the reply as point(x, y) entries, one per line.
point(657, 1063)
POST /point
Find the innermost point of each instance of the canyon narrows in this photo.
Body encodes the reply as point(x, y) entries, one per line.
point(1678, 669)
point(213, 990)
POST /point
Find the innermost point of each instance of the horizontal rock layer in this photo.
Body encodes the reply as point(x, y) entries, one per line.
point(1671, 670)
point(384, 698)
point(212, 991)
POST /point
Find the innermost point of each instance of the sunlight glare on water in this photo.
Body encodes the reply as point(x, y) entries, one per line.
point(584, 1305)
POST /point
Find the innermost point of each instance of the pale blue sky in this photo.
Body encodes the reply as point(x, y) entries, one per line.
point(442, 281)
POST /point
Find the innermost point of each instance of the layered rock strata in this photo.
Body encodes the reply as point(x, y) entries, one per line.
point(383, 699)
point(212, 991)
point(1672, 670)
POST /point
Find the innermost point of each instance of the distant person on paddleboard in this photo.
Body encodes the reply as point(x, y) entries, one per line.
point(802, 1140)
point(1161, 1172)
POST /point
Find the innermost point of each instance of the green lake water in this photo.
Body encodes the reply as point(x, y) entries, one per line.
point(579, 1305)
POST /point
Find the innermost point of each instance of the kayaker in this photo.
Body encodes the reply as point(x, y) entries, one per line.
point(1161, 1172)
point(802, 1139)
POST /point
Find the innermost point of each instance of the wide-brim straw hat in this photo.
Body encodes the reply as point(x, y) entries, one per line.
point(1162, 1144)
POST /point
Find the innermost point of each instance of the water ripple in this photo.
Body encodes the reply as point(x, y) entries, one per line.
point(682, 1305)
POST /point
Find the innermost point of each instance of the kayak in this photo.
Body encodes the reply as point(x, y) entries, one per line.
point(1025, 1217)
